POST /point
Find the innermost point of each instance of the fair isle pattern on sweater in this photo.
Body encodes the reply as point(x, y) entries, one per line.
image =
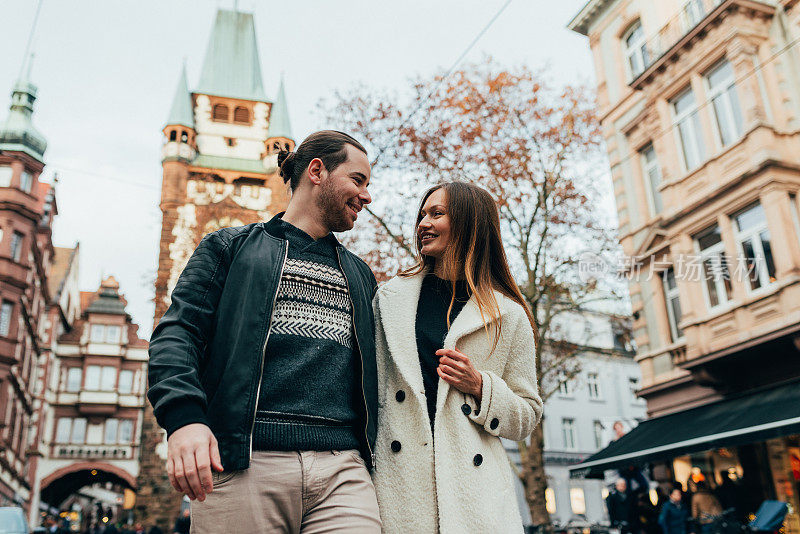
point(313, 302)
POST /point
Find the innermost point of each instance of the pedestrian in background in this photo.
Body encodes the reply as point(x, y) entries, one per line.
point(705, 506)
point(183, 523)
point(674, 514)
point(620, 506)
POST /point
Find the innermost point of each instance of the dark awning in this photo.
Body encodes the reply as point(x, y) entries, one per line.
point(747, 418)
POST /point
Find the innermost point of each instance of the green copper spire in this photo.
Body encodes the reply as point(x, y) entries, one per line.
point(231, 67)
point(18, 132)
point(181, 112)
point(279, 125)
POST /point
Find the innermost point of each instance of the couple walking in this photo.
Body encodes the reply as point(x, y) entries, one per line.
point(298, 396)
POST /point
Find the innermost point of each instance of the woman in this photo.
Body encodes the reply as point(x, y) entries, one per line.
point(705, 506)
point(456, 372)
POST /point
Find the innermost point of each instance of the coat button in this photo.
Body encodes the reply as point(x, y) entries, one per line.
point(494, 423)
point(395, 446)
point(466, 409)
point(478, 460)
point(400, 396)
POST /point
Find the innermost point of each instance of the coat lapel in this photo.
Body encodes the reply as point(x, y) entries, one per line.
point(397, 302)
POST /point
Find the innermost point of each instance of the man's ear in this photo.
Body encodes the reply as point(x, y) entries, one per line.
point(316, 170)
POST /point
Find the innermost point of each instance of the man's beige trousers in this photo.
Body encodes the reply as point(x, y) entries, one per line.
point(306, 492)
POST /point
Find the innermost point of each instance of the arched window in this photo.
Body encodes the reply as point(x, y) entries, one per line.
point(184, 137)
point(636, 49)
point(220, 112)
point(241, 114)
point(173, 135)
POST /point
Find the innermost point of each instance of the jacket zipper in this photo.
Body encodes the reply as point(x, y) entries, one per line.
point(361, 357)
point(264, 349)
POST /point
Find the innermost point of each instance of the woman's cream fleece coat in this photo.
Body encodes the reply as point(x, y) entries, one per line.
point(459, 479)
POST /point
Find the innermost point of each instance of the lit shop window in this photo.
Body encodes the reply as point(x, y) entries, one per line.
point(577, 500)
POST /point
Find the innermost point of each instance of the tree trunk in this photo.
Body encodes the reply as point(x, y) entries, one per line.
point(534, 479)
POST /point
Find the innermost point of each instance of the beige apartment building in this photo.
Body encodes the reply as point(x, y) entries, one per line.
point(700, 110)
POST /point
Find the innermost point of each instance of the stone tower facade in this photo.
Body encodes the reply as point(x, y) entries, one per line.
point(219, 163)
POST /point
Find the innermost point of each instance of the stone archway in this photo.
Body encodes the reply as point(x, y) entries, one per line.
point(56, 487)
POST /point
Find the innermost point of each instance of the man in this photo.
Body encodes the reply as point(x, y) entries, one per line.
point(619, 506)
point(674, 514)
point(262, 370)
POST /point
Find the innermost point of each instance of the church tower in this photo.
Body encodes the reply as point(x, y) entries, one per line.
point(219, 161)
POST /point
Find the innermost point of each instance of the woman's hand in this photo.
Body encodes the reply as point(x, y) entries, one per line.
point(456, 369)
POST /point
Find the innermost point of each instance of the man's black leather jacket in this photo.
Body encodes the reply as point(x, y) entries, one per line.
point(207, 351)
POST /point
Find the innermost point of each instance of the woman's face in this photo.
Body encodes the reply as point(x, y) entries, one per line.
point(433, 229)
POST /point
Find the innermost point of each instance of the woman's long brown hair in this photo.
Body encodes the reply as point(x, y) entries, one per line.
point(475, 252)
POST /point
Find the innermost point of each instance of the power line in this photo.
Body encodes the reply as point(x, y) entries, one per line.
point(447, 74)
point(110, 177)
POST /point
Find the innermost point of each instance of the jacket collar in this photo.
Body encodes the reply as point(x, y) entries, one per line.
point(398, 309)
point(275, 227)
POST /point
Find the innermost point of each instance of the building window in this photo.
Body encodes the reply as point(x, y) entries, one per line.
point(633, 387)
point(126, 431)
point(652, 178)
point(230, 141)
point(125, 381)
point(598, 434)
point(752, 235)
point(568, 433)
point(565, 386)
point(108, 380)
point(111, 430)
point(725, 103)
point(673, 303)
point(64, 430)
point(74, 375)
point(26, 181)
point(92, 378)
point(173, 135)
point(105, 333)
point(69, 430)
point(79, 431)
point(636, 50)
point(716, 270)
point(16, 246)
point(241, 114)
point(577, 501)
point(6, 310)
point(690, 134)
point(693, 12)
point(5, 175)
point(593, 383)
point(184, 137)
point(550, 500)
point(220, 112)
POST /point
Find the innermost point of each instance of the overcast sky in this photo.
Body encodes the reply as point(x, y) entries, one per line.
point(106, 73)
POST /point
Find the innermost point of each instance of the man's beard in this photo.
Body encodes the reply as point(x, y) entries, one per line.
point(334, 212)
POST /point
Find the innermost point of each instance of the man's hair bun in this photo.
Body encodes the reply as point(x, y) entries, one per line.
point(286, 164)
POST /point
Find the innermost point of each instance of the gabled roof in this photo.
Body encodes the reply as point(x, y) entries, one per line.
point(279, 124)
point(231, 67)
point(108, 300)
point(181, 111)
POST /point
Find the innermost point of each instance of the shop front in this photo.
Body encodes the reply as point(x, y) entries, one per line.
point(746, 448)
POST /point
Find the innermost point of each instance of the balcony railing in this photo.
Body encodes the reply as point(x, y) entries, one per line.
point(119, 452)
point(687, 17)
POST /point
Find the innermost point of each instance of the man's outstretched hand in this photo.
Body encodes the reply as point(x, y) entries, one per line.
point(192, 453)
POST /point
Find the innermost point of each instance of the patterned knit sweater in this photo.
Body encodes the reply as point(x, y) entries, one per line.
point(309, 395)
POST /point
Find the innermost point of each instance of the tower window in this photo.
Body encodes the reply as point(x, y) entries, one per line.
point(173, 135)
point(184, 137)
point(230, 141)
point(220, 112)
point(241, 114)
